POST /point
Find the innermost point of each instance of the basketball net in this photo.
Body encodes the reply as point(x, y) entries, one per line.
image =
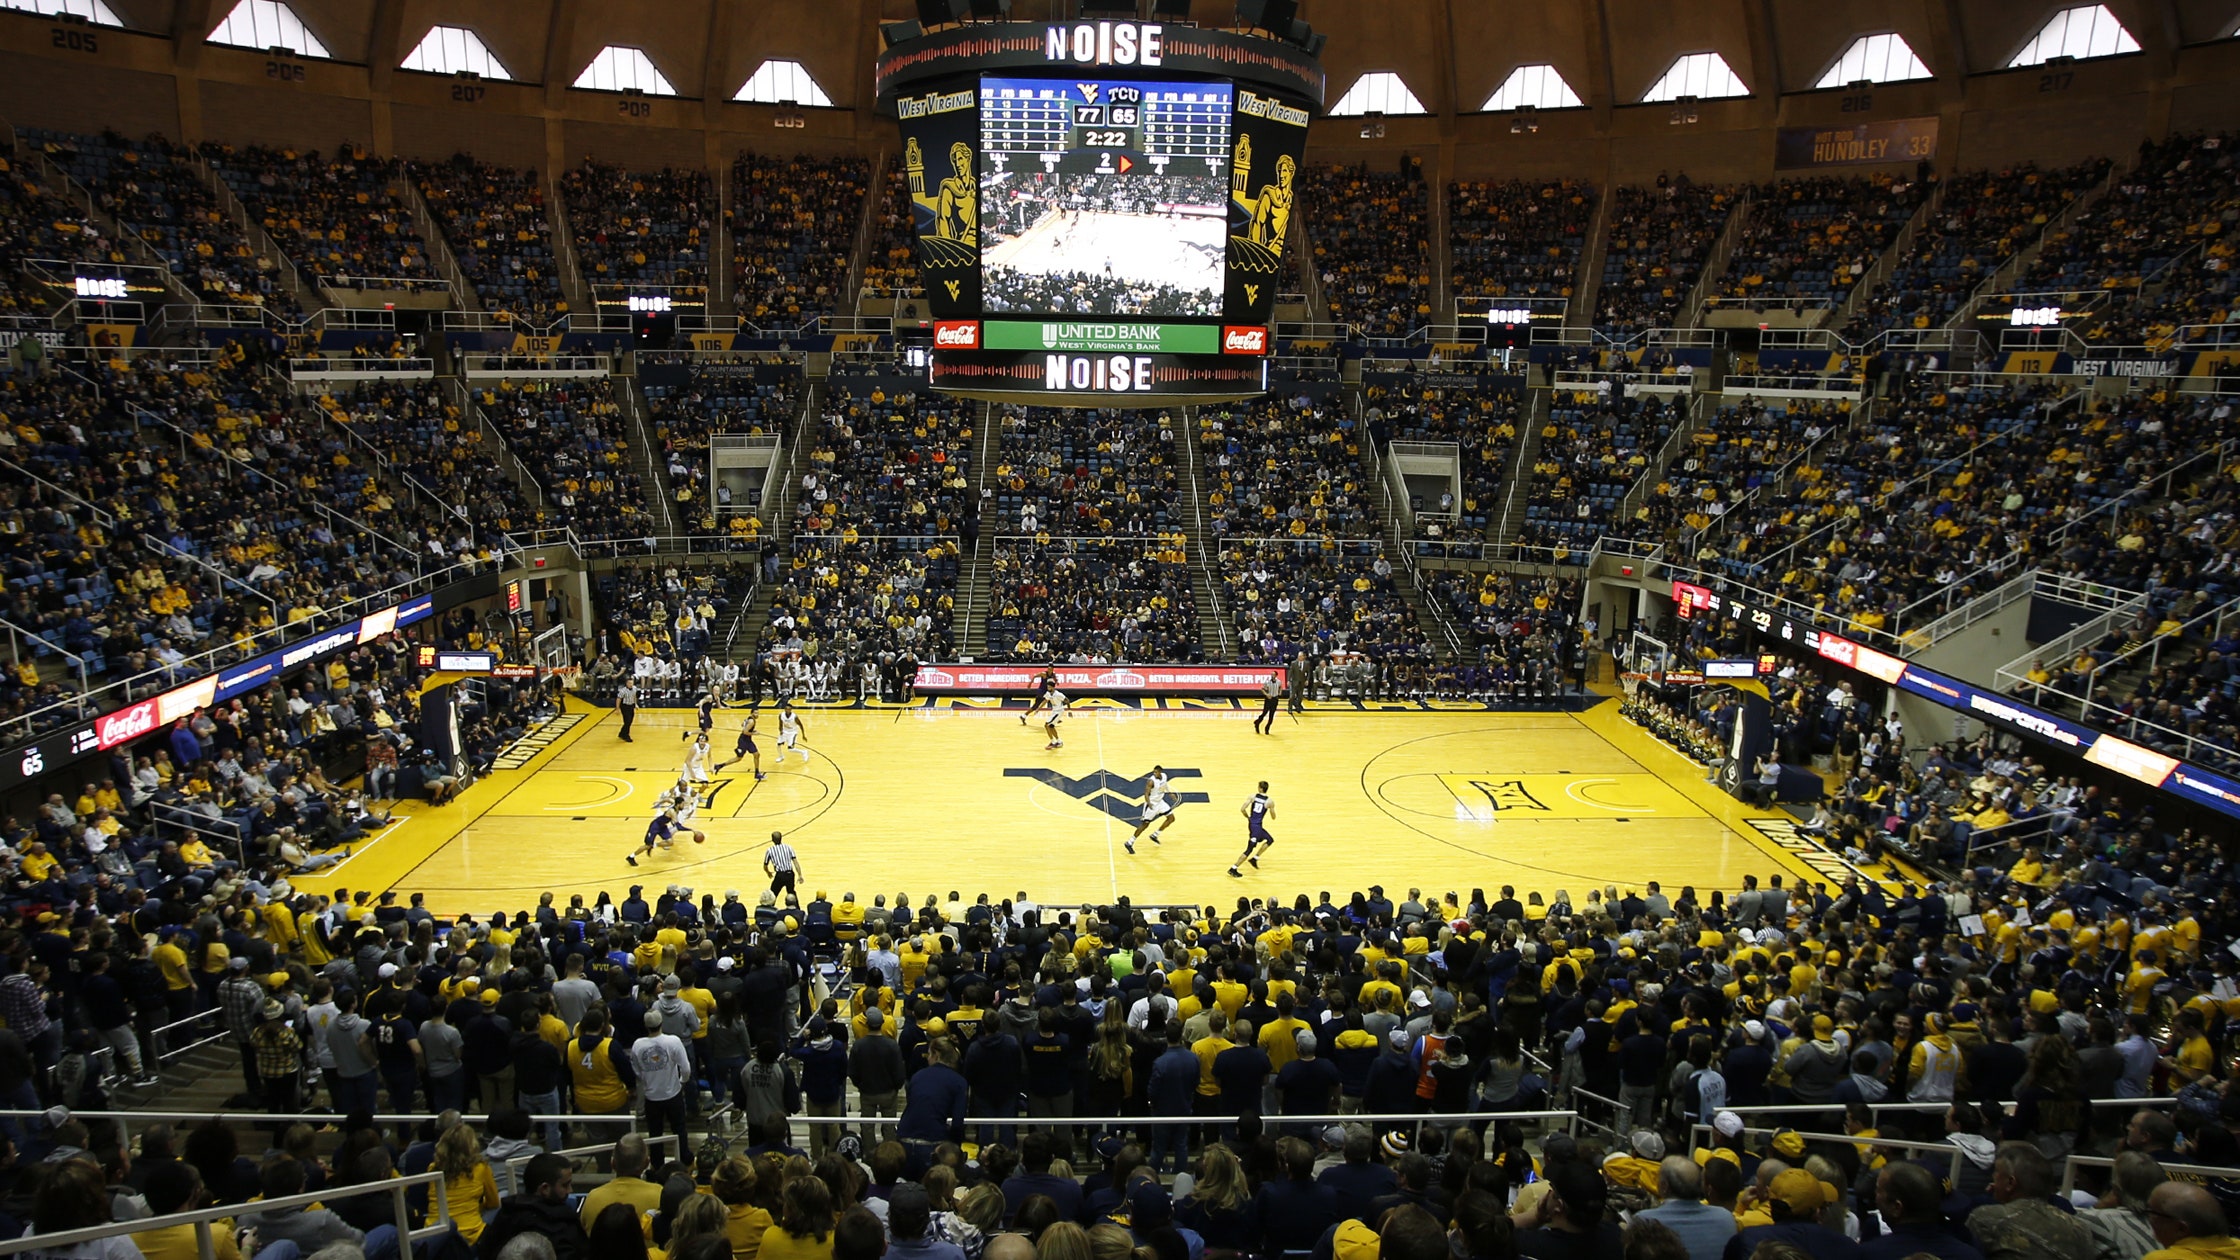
point(1631, 682)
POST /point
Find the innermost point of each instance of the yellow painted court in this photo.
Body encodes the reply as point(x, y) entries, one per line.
point(929, 799)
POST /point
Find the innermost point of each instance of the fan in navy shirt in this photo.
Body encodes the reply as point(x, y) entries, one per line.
point(1034, 1177)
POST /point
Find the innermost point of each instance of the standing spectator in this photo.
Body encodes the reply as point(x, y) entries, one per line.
point(875, 1066)
point(240, 999)
point(469, 1187)
point(279, 1053)
point(824, 1080)
point(664, 1068)
point(442, 1048)
point(1173, 1092)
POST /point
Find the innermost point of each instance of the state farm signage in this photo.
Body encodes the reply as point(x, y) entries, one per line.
point(1244, 340)
point(956, 334)
point(1082, 679)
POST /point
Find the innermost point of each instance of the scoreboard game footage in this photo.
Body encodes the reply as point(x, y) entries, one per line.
point(1100, 207)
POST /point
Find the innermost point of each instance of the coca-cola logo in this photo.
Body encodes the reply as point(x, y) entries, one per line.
point(126, 724)
point(1243, 340)
point(956, 334)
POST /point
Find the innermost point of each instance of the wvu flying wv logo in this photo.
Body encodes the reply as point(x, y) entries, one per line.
point(1109, 793)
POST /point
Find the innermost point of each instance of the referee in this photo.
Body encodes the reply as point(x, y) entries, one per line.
point(783, 864)
point(626, 699)
point(1270, 692)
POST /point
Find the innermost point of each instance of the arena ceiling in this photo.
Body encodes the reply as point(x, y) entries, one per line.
point(1451, 54)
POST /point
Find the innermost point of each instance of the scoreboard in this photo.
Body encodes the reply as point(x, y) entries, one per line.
point(1073, 179)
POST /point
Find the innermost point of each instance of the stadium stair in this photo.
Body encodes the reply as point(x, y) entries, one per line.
point(1517, 477)
point(777, 537)
point(564, 246)
point(867, 231)
point(1900, 246)
point(407, 190)
point(723, 287)
point(1699, 413)
point(1586, 282)
point(136, 245)
point(494, 440)
point(973, 597)
point(1217, 630)
point(1715, 263)
point(308, 296)
point(653, 470)
point(1441, 634)
point(2003, 277)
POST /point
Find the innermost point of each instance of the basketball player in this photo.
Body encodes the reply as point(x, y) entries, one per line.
point(1053, 716)
point(1257, 811)
point(1158, 808)
point(683, 802)
point(789, 732)
point(1043, 686)
point(1270, 691)
point(747, 748)
point(696, 761)
point(707, 715)
point(662, 830)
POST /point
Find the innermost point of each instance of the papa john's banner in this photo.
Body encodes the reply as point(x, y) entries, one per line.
point(1855, 144)
point(1136, 680)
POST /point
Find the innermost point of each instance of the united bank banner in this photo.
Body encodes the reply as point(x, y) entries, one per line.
point(1856, 144)
point(1135, 680)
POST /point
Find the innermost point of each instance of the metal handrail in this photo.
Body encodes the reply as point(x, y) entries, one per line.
point(2204, 1172)
point(1895, 1144)
point(203, 1218)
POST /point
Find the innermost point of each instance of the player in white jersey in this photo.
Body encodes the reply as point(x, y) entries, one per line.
point(696, 761)
point(683, 805)
point(1044, 684)
point(1158, 808)
point(1257, 810)
point(789, 732)
point(1054, 715)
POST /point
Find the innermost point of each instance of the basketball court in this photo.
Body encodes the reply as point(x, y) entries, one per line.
point(959, 795)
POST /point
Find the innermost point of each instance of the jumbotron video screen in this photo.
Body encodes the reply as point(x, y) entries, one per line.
point(1104, 196)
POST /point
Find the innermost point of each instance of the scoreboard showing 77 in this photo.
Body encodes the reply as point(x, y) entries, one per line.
point(1105, 127)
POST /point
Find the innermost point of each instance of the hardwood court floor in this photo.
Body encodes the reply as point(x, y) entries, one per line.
point(926, 800)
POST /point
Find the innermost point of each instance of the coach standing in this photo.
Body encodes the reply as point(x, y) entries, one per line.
point(626, 699)
point(1270, 691)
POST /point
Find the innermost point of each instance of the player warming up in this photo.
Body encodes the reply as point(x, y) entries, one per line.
point(1158, 808)
point(1043, 686)
point(790, 732)
point(1052, 717)
point(746, 748)
point(1257, 811)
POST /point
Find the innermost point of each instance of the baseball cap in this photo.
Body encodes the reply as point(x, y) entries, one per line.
point(1646, 1145)
point(1727, 1124)
point(238, 963)
point(1148, 1205)
point(1822, 1025)
point(1753, 1029)
point(277, 979)
point(724, 963)
point(386, 970)
point(1419, 998)
point(1332, 1135)
point(1799, 1189)
point(1354, 1240)
point(1107, 1148)
point(1399, 1038)
point(1788, 1144)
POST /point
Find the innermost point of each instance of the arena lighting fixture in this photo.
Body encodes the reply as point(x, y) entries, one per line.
point(1108, 8)
point(1273, 16)
point(1171, 10)
point(933, 13)
point(991, 10)
point(900, 32)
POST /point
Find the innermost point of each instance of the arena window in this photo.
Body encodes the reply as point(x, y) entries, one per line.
point(1377, 92)
point(1885, 58)
point(1537, 86)
point(262, 24)
point(94, 11)
point(452, 49)
point(1704, 76)
point(777, 82)
point(619, 68)
point(2084, 32)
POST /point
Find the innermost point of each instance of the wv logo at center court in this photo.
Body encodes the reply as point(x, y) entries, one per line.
point(1109, 793)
